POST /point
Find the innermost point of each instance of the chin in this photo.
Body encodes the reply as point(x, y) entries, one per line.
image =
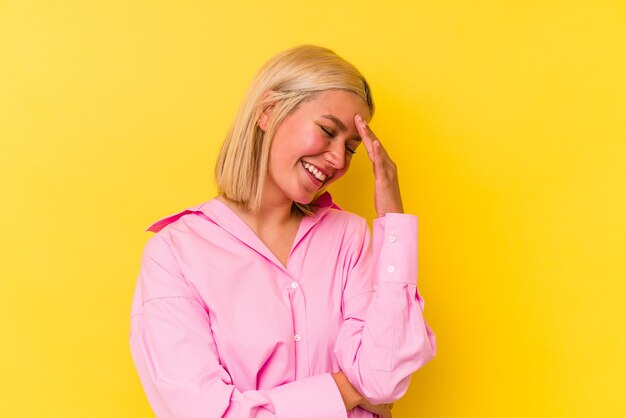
point(308, 199)
point(304, 201)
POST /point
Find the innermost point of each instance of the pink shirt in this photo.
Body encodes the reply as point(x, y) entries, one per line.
point(220, 328)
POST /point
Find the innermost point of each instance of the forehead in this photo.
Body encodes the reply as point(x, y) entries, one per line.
point(340, 103)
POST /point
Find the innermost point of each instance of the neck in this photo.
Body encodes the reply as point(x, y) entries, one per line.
point(274, 213)
point(271, 214)
point(273, 224)
point(275, 209)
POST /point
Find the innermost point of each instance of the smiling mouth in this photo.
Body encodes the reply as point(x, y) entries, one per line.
point(314, 171)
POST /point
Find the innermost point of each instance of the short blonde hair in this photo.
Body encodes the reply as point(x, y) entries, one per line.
point(285, 81)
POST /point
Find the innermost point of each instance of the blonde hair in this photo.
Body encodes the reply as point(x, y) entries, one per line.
point(284, 82)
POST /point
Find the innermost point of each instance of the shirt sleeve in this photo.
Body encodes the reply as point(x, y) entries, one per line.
point(178, 362)
point(384, 337)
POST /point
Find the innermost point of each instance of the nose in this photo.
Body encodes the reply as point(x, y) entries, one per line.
point(336, 155)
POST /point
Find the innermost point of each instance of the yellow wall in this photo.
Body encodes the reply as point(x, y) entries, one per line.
point(507, 120)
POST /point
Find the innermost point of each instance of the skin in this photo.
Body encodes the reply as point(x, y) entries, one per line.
point(322, 132)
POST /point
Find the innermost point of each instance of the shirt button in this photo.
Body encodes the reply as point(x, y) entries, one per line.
point(391, 268)
point(294, 285)
point(392, 238)
point(297, 337)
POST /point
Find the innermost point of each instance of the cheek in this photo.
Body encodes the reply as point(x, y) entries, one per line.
point(305, 144)
point(314, 143)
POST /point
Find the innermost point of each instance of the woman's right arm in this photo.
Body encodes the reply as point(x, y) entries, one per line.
point(178, 363)
point(352, 398)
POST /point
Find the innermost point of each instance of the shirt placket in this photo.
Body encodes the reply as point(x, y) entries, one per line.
point(300, 335)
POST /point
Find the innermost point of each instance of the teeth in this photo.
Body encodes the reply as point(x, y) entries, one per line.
point(318, 174)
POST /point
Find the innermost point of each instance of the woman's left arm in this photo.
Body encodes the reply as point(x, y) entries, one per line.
point(384, 337)
point(387, 197)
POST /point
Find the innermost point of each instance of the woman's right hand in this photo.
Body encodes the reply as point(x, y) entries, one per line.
point(352, 398)
point(383, 410)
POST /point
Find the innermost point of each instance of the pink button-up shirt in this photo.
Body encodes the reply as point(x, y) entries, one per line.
point(220, 328)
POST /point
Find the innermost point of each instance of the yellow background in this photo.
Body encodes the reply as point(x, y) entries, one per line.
point(507, 121)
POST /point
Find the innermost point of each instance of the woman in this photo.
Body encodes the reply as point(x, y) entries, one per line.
point(269, 300)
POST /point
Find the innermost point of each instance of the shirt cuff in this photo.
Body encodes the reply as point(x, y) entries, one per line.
point(395, 241)
point(312, 397)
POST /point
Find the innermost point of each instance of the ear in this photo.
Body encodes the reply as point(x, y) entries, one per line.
point(266, 113)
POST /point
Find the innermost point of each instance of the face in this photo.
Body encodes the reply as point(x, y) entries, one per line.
point(313, 146)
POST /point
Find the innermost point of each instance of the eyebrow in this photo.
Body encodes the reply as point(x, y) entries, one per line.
point(340, 125)
point(337, 121)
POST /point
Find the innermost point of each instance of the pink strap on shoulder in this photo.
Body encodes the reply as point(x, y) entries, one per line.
point(162, 223)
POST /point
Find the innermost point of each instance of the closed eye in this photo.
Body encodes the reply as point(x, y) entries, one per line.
point(331, 134)
point(327, 132)
point(352, 145)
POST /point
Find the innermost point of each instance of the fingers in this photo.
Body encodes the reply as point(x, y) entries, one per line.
point(375, 150)
point(378, 155)
point(387, 196)
point(384, 411)
point(366, 134)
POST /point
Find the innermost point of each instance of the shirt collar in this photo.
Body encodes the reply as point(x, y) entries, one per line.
point(322, 205)
point(228, 220)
